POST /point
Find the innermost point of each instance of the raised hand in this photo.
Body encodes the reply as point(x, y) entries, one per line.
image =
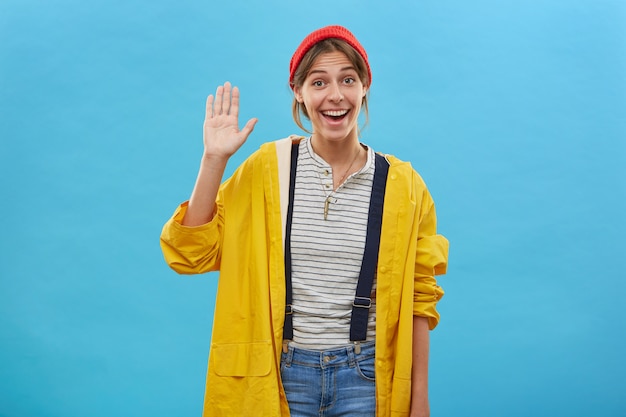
point(222, 136)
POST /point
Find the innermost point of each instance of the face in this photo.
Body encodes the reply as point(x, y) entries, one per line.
point(332, 94)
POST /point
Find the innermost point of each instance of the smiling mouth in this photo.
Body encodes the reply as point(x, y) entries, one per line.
point(335, 115)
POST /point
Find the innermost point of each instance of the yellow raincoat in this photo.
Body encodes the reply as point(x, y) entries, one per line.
point(244, 241)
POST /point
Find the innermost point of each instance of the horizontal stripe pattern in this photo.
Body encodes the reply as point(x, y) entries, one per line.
point(327, 254)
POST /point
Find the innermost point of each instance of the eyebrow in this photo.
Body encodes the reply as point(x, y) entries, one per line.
point(324, 72)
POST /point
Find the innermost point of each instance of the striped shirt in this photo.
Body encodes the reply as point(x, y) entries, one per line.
point(327, 253)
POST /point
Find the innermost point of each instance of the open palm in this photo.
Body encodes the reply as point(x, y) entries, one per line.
point(222, 136)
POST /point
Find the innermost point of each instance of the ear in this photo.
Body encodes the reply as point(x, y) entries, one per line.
point(297, 93)
point(365, 90)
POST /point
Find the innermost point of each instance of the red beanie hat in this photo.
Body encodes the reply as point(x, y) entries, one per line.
point(319, 35)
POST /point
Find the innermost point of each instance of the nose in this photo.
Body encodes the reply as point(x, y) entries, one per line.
point(335, 93)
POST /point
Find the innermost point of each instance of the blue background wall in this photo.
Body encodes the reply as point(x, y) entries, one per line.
point(513, 112)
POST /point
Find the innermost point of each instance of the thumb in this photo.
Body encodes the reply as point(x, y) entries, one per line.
point(249, 127)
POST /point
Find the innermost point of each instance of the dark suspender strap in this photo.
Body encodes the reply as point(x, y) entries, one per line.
point(288, 328)
point(362, 301)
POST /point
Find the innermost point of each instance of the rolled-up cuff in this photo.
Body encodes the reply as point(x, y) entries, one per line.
point(425, 299)
point(190, 249)
point(183, 236)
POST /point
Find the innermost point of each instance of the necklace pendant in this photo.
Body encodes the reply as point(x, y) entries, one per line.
point(326, 204)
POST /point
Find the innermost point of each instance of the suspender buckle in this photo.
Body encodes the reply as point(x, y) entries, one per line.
point(288, 309)
point(362, 302)
point(357, 348)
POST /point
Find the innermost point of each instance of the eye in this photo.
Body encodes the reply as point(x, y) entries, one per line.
point(318, 83)
point(349, 80)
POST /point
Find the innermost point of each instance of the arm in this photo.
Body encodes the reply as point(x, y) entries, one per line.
point(222, 138)
point(431, 259)
point(419, 371)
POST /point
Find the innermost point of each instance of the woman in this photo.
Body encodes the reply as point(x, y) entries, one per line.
point(327, 254)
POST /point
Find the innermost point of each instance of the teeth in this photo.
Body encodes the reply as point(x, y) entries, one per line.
point(335, 113)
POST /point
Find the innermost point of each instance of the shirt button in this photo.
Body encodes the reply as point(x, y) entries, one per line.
point(326, 172)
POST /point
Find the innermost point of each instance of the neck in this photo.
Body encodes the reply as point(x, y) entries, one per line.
point(345, 157)
point(336, 152)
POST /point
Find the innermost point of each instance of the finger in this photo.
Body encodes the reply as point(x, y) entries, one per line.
point(217, 105)
point(226, 101)
point(249, 127)
point(209, 107)
point(234, 105)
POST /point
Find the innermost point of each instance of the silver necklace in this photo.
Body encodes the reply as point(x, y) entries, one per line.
point(328, 198)
point(358, 151)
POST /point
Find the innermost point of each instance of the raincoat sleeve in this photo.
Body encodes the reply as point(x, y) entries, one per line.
point(198, 249)
point(431, 259)
point(192, 250)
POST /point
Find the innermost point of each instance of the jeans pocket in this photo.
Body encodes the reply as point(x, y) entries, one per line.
point(366, 368)
point(283, 361)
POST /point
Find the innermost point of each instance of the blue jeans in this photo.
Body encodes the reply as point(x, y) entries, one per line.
point(330, 383)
